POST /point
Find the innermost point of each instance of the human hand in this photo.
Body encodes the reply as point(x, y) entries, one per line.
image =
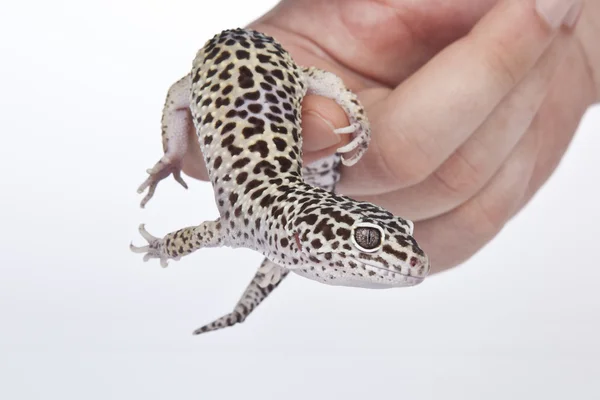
point(457, 145)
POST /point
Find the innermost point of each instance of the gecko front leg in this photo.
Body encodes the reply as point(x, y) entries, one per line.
point(327, 84)
point(180, 243)
point(176, 123)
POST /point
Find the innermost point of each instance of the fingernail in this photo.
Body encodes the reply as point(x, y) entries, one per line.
point(318, 132)
point(554, 12)
point(573, 15)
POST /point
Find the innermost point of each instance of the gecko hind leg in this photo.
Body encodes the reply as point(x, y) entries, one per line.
point(266, 279)
point(327, 84)
point(176, 123)
point(179, 243)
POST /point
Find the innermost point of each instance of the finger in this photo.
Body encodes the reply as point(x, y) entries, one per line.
point(451, 238)
point(474, 163)
point(557, 122)
point(425, 119)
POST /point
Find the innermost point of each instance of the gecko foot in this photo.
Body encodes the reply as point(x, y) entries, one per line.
point(162, 169)
point(154, 249)
point(359, 143)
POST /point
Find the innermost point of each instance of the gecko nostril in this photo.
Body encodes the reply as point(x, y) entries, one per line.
point(413, 261)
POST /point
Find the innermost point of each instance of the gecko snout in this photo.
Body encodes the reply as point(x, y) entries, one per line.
point(419, 266)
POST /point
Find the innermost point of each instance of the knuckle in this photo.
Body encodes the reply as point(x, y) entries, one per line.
point(502, 64)
point(410, 166)
point(458, 176)
point(409, 170)
point(484, 220)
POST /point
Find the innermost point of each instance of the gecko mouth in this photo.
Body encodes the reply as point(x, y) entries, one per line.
point(387, 273)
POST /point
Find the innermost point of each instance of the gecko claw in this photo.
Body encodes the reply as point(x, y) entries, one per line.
point(162, 169)
point(347, 129)
point(179, 179)
point(145, 234)
point(138, 249)
point(358, 145)
point(154, 249)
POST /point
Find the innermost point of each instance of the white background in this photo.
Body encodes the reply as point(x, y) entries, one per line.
point(82, 87)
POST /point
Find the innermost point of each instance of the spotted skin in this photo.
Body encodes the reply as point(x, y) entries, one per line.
point(243, 97)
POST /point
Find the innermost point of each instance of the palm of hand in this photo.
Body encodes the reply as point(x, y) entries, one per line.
point(461, 190)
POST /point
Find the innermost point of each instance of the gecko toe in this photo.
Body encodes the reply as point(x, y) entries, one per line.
point(347, 129)
point(179, 179)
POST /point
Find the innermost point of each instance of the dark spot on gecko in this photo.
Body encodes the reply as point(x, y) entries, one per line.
point(252, 130)
point(274, 118)
point(227, 89)
point(343, 232)
point(291, 78)
point(225, 75)
point(212, 53)
point(284, 163)
point(266, 86)
point(310, 219)
point(255, 108)
point(234, 150)
point(227, 141)
point(241, 178)
point(261, 70)
point(279, 129)
point(280, 144)
point(261, 147)
point(267, 201)
point(270, 80)
point(245, 79)
point(271, 98)
point(242, 55)
point(222, 101)
point(251, 185)
point(242, 162)
point(278, 74)
point(252, 95)
point(398, 254)
point(266, 168)
point(263, 58)
point(257, 193)
point(228, 127)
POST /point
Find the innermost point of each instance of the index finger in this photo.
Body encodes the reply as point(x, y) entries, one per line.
point(433, 112)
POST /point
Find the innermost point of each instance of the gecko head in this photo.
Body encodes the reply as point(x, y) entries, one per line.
point(375, 250)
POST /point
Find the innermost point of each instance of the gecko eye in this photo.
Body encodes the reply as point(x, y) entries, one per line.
point(367, 237)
